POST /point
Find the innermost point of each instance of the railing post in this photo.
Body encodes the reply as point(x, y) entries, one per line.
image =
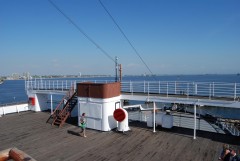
point(175, 87)
point(57, 84)
point(213, 89)
point(148, 88)
point(130, 87)
point(235, 91)
point(144, 87)
point(167, 89)
point(196, 89)
point(159, 87)
point(195, 121)
point(154, 117)
point(210, 87)
point(66, 84)
point(187, 89)
point(75, 85)
point(51, 105)
point(62, 85)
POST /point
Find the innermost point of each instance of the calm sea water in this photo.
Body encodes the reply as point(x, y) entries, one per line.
point(14, 90)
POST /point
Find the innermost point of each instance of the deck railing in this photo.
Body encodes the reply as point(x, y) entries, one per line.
point(185, 120)
point(206, 89)
point(57, 85)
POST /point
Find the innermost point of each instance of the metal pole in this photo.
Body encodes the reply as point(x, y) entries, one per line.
point(210, 87)
point(159, 87)
point(195, 121)
point(196, 89)
point(120, 72)
point(148, 88)
point(144, 86)
point(51, 105)
point(116, 69)
point(235, 91)
point(167, 89)
point(154, 119)
point(175, 87)
point(213, 89)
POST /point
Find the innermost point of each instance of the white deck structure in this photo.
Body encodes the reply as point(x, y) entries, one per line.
point(193, 93)
point(200, 93)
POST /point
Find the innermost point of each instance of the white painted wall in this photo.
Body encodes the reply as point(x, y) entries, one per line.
point(41, 102)
point(99, 112)
point(13, 109)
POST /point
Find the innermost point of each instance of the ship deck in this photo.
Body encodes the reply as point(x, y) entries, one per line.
point(29, 132)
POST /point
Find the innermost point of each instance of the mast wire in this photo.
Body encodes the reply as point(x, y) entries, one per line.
point(125, 36)
point(80, 30)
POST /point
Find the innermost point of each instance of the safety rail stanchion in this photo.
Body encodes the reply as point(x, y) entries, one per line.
point(130, 88)
point(154, 117)
point(75, 85)
point(144, 88)
point(175, 87)
point(148, 88)
point(196, 88)
point(51, 105)
point(213, 89)
point(159, 91)
point(167, 89)
point(235, 91)
point(62, 85)
point(195, 122)
point(210, 90)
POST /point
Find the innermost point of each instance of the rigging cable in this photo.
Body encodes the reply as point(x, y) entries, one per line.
point(80, 30)
point(135, 50)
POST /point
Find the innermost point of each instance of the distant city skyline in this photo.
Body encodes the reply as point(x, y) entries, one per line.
point(173, 37)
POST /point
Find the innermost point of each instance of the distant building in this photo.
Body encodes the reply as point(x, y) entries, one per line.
point(15, 76)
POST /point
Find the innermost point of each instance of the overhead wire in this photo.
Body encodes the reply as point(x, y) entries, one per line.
point(80, 30)
point(125, 36)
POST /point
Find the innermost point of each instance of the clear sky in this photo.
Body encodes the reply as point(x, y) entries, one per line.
point(172, 36)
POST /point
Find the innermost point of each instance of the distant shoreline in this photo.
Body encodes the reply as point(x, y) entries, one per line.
point(99, 76)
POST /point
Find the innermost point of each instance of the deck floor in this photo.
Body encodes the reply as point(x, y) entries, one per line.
point(29, 132)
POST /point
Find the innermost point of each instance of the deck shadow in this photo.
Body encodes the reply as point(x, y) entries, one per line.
point(73, 133)
point(223, 138)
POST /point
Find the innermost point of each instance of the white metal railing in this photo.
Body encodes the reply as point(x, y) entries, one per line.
point(57, 85)
point(206, 89)
point(186, 121)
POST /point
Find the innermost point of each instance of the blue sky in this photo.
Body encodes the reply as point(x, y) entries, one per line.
point(172, 36)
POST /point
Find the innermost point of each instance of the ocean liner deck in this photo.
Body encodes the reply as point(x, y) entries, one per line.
point(29, 132)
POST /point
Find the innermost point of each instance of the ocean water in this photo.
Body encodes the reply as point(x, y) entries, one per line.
point(12, 91)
